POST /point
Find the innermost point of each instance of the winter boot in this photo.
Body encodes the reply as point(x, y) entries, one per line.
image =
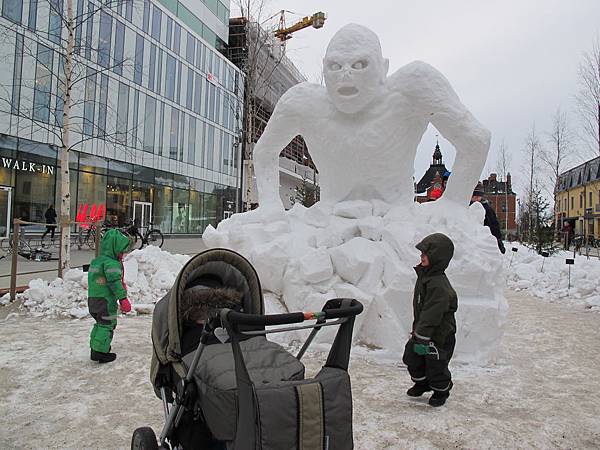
point(418, 389)
point(102, 357)
point(439, 398)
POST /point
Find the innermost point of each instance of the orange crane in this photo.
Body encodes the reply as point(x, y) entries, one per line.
point(317, 20)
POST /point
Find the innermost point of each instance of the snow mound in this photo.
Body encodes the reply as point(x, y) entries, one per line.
point(366, 250)
point(548, 278)
point(149, 274)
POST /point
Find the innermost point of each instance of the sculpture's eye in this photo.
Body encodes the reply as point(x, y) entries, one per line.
point(359, 65)
point(334, 66)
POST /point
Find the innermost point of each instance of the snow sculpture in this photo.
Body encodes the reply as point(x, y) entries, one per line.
point(363, 130)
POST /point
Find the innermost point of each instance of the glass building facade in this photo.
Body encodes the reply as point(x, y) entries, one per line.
point(156, 111)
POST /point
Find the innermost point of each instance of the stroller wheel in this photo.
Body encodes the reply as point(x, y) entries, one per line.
point(144, 439)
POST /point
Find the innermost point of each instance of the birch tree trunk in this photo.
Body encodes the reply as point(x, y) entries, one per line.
point(65, 179)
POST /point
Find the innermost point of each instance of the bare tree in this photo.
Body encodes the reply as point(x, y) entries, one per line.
point(75, 79)
point(503, 169)
point(532, 152)
point(558, 153)
point(588, 97)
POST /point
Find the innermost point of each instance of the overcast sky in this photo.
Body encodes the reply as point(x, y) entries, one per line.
point(512, 62)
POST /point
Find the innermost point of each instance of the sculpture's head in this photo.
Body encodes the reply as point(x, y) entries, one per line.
point(354, 68)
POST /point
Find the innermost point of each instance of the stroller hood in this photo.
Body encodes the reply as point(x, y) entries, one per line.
point(230, 267)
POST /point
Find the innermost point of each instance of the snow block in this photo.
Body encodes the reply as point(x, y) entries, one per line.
point(316, 266)
point(352, 259)
point(371, 227)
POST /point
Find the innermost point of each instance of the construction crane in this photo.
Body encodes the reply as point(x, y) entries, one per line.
point(317, 20)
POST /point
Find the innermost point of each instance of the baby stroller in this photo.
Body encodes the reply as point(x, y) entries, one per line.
point(249, 392)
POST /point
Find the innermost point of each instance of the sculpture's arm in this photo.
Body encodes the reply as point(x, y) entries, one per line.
point(437, 100)
point(282, 127)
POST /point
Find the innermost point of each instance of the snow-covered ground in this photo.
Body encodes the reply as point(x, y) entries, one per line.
point(542, 393)
point(548, 278)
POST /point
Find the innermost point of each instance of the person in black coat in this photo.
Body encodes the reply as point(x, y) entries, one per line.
point(50, 216)
point(491, 220)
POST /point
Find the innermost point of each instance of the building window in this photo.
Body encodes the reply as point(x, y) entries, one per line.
point(210, 147)
point(60, 94)
point(197, 93)
point(55, 21)
point(170, 77)
point(139, 59)
point(150, 124)
point(178, 84)
point(146, 19)
point(122, 113)
point(161, 132)
point(32, 19)
point(89, 31)
point(189, 94)
point(581, 200)
point(571, 202)
point(156, 22)
point(169, 32)
point(89, 102)
point(135, 122)
point(174, 137)
point(13, 10)
point(104, 39)
point(78, 27)
point(17, 72)
point(43, 84)
point(102, 105)
point(590, 196)
point(152, 68)
point(192, 140)
point(190, 51)
point(177, 38)
point(119, 59)
point(159, 72)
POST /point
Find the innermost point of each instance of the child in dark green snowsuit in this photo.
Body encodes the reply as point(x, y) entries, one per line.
point(428, 351)
point(105, 288)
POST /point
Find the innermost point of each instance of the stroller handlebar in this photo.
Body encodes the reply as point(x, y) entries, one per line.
point(333, 309)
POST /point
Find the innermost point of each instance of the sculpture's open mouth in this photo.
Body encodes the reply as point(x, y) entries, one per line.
point(347, 91)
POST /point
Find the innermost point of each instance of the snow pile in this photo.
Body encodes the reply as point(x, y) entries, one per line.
point(548, 278)
point(149, 274)
point(366, 250)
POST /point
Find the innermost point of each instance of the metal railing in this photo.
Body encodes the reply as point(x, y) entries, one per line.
point(16, 240)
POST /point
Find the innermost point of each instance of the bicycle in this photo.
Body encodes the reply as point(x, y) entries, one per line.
point(24, 249)
point(152, 236)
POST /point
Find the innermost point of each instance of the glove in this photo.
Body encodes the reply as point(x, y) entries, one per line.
point(125, 305)
point(420, 346)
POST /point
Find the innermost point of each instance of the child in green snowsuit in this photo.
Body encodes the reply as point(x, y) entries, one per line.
point(105, 288)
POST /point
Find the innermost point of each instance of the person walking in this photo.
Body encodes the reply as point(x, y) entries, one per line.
point(431, 345)
point(491, 220)
point(50, 216)
point(105, 288)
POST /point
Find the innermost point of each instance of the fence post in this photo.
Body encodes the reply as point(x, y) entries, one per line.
point(97, 238)
point(13, 266)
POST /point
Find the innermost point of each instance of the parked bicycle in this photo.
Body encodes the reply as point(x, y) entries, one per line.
point(152, 236)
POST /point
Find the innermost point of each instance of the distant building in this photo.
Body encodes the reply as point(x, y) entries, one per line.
point(433, 183)
point(578, 198)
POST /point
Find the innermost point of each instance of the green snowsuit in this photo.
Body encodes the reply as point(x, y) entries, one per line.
point(434, 305)
point(105, 288)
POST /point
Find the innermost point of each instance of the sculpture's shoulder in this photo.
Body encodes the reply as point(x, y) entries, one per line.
point(302, 96)
point(415, 75)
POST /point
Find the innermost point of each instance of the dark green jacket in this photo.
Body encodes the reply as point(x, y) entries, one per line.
point(434, 301)
point(105, 276)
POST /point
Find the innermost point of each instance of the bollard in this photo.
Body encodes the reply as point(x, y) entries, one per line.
point(544, 256)
point(13, 266)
